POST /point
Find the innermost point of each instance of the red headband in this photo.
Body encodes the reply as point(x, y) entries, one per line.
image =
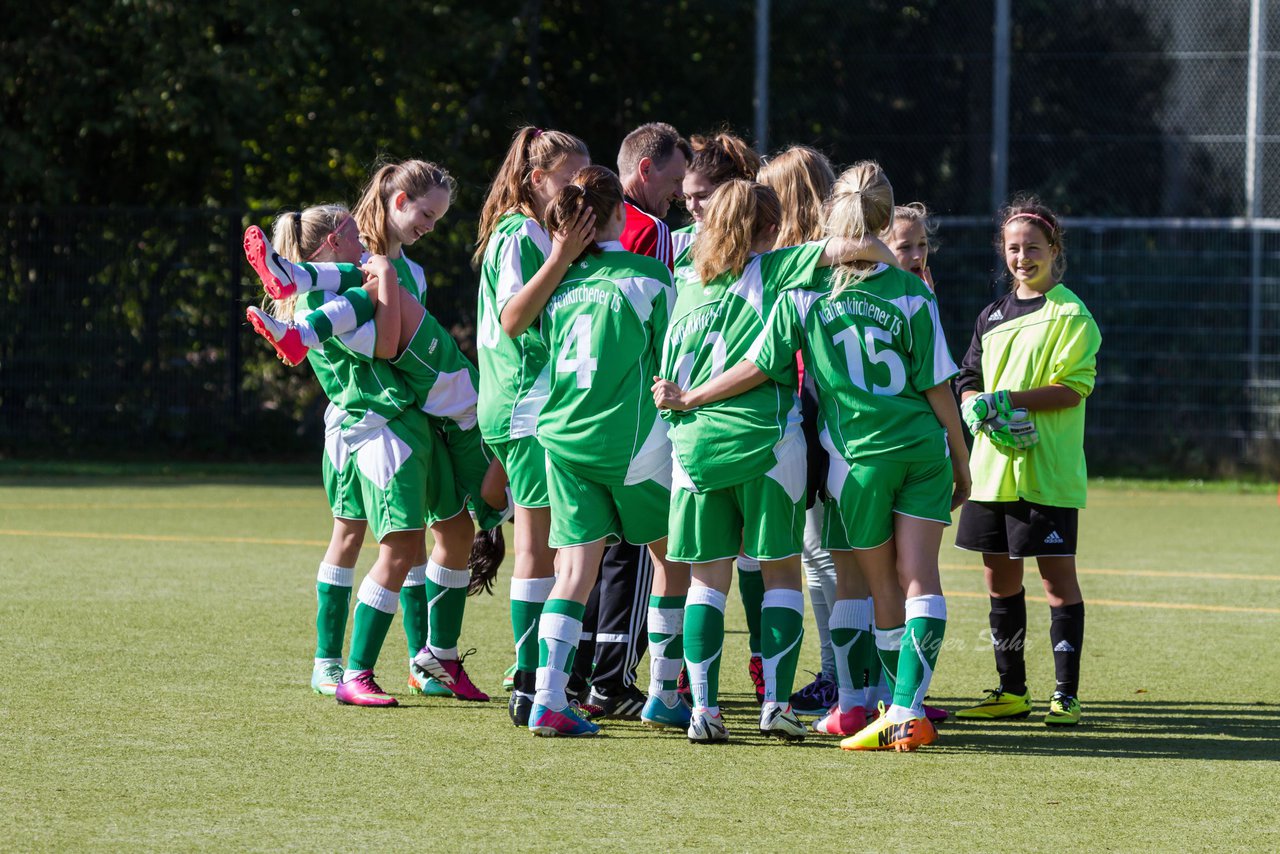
point(1051, 229)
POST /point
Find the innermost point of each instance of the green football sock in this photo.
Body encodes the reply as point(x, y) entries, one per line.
point(703, 644)
point(446, 591)
point(921, 642)
point(751, 589)
point(333, 601)
point(855, 651)
point(528, 596)
point(781, 631)
point(374, 612)
point(413, 602)
point(888, 643)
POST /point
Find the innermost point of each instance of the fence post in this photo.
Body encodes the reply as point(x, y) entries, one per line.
point(235, 269)
point(1000, 105)
point(1255, 122)
point(762, 75)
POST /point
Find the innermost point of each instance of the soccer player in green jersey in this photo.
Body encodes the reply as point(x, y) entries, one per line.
point(717, 159)
point(740, 463)
point(1033, 361)
point(395, 451)
point(514, 252)
point(872, 338)
point(607, 455)
point(803, 177)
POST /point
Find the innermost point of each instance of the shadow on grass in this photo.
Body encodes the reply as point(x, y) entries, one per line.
point(1129, 730)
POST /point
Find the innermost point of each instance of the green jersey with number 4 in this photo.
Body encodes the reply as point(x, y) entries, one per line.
point(513, 378)
point(712, 328)
point(603, 328)
point(874, 350)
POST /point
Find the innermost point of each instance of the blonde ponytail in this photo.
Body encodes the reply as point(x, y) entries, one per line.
point(861, 206)
point(736, 215)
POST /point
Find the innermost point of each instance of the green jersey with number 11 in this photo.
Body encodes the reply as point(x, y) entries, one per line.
point(712, 328)
point(874, 350)
point(603, 328)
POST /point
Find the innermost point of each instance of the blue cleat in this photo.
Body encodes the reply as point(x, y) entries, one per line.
point(567, 722)
point(659, 715)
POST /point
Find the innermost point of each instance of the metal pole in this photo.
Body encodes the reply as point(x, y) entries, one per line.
point(1253, 192)
point(762, 75)
point(1000, 106)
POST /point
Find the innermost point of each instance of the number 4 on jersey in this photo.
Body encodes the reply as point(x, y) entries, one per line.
point(575, 354)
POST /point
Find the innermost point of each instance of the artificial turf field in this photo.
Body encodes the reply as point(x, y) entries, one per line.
point(158, 632)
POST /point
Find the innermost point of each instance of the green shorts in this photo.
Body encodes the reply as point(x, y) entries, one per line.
point(406, 477)
point(870, 491)
point(583, 511)
point(762, 518)
point(525, 462)
point(338, 470)
point(470, 458)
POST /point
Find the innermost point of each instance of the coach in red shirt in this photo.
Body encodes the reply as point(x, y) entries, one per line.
point(651, 164)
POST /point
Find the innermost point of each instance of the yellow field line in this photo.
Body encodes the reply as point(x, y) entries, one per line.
point(1144, 573)
point(209, 505)
point(1120, 603)
point(272, 541)
point(163, 538)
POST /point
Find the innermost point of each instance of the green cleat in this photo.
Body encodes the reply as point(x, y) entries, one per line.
point(326, 676)
point(1063, 710)
point(999, 705)
point(428, 687)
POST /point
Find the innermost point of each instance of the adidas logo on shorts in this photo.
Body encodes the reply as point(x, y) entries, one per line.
point(1064, 646)
point(1054, 539)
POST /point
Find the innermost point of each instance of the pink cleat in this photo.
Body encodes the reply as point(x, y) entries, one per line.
point(842, 723)
point(451, 674)
point(277, 278)
point(363, 691)
point(279, 334)
point(934, 714)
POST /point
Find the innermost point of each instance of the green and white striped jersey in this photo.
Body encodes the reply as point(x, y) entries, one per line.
point(370, 391)
point(873, 351)
point(513, 371)
point(603, 329)
point(682, 252)
point(713, 327)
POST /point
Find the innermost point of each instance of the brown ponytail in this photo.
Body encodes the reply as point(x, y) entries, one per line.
point(723, 157)
point(594, 187)
point(802, 177)
point(415, 178)
point(511, 190)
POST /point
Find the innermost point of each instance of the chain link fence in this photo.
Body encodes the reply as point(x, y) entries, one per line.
point(1153, 125)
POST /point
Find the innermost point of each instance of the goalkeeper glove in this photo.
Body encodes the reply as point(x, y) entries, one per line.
point(983, 408)
point(1018, 431)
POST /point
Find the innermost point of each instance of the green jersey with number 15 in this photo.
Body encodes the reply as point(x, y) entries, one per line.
point(873, 350)
point(603, 328)
point(713, 327)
